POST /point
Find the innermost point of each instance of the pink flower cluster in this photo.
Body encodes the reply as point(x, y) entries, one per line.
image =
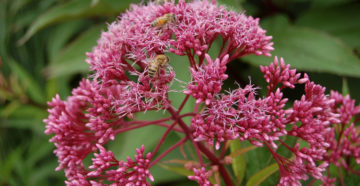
point(201, 176)
point(239, 115)
point(101, 108)
point(128, 173)
point(313, 119)
point(345, 145)
point(81, 125)
point(276, 73)
point(198, 24)
point(207, 79)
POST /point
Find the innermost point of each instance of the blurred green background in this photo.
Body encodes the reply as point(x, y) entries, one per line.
point(42, 52)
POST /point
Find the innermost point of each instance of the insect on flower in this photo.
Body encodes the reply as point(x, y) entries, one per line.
point(157, 63)
point(163, 20)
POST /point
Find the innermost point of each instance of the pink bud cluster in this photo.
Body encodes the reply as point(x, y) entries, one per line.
point(74, 139)
point(239, 114)
point(309, 118)
point(202, 177)
point(209, 21)
point(207, 79)
point(92, 116)
point(345, 145)
point(276, 73)
point(314, 119)
point(127, 173)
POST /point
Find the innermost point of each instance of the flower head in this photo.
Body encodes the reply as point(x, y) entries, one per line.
point(132, 39)
point(207, 80)
point(276, 73)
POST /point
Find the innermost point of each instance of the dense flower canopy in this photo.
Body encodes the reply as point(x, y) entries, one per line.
point(131, 40)
point(121, 86)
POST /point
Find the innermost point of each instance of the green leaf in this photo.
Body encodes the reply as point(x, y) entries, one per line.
point(340, 21)
point(4, 33)
point(46, 172)
point(9, 164)
point(345, 87)
point(39, 148)
point(72, 59)
point(238, 163)
point(9, 109)
point(62, 34)
point(290, 141)
point(178, 170)
point(309, 49)
point(160, 174)
point(126, 143)
point(72, 10)
point(35, 125)
point(25, 111)
point(240, 151)
point(258, 158)
point(181, 67)
point(232, 4)
point(17, 89)
point(260, 176)
point(34, 90)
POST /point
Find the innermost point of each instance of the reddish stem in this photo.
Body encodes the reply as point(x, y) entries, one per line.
point(131, 128)
point(237, 54)
point(187, 131)
point(202, 56)
point(226, 50)
point(201, 59)
point(196, 108)
point(199, 146)
point(340, 176)
point(287, 146)
point(192, 60)
point(183, 104)
point(312, 182)
point(163, 138)
point(357, 119)
point(151, 122)
point(225, 175)
point(168, 151)
point(352, 170)
point(223, 151)
point(340, 135)
point(157, 122)
point(167, 126)
point(277, 158)
point(223, 45)
point(188, 114)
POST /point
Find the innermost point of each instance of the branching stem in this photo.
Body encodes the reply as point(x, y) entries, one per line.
point(199, 146)
point(168, 151)
point(163, 138)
